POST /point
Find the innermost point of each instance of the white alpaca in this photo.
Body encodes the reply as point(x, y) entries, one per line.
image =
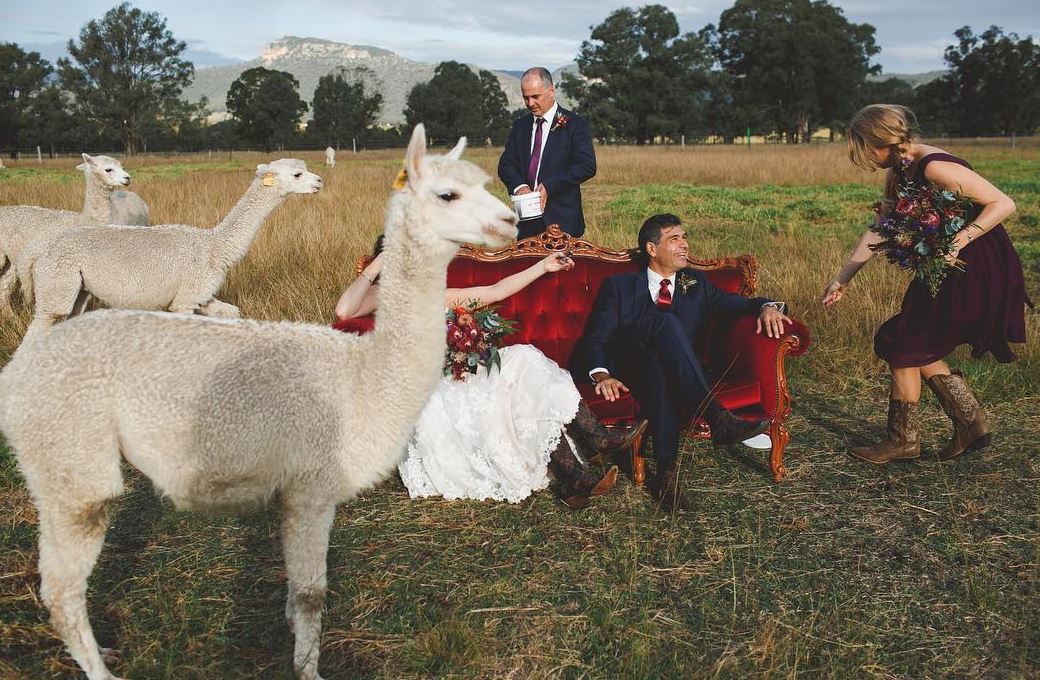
point(21, 225)
point(129, 208)
point(226, 414)
point(174, 267)
point(330, 157)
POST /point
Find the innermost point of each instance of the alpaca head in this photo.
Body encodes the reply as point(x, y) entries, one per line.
point(106, 169)
point(450, 198)
point(288, 176)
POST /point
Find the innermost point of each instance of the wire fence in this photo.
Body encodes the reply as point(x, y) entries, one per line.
point(216, 152)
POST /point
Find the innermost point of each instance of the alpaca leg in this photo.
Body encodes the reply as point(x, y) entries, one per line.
point(7, 281)
point(220, 309)
point(305, 540)
point(56, 296)
point(70, 542)
point(80, 305)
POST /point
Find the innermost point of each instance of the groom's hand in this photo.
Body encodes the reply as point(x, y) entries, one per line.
point(610, 388)
point(771, 320)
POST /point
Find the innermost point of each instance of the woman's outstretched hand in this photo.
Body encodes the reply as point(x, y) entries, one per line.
point(833, 293)
point(558, 262)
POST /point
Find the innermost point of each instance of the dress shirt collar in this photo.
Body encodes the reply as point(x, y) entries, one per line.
point(549, 117)
point(653, 280)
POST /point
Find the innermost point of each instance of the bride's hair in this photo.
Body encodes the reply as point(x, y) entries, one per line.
point(881, 126)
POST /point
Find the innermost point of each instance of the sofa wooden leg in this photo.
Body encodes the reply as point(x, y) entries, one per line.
point(779, 434)
point(638, 462)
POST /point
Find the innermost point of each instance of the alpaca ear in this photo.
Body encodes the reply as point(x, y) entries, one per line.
point(261, 169)
point(413, 157)
point(456, 153)
point(87, 158)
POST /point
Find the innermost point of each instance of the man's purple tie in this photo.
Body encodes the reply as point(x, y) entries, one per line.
point(536, 153)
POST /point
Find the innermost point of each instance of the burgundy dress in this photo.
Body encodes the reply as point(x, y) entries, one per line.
point(983, 306)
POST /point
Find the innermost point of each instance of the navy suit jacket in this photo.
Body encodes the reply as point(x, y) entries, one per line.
point(568, 159)
point(624, 300)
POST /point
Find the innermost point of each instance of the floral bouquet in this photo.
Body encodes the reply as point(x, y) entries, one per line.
point(474, 336)
point(917, 233)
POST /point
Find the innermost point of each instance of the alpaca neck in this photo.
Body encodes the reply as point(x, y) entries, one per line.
point(97, 200)
point(408, 344)
point(235, 233)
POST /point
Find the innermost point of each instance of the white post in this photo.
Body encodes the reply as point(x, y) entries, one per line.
point(353, 142)
point(39, 156)
point(683, 141)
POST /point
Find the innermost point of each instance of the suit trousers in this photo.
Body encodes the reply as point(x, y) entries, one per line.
point(531, 227)
point(668, 380)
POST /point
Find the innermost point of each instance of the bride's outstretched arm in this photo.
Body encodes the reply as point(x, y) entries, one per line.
point(514, 283)
point(860, 254)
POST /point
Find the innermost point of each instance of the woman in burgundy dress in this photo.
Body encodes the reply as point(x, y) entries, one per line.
point(983, 306)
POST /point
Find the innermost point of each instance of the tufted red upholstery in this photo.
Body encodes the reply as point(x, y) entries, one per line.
point(551, 314)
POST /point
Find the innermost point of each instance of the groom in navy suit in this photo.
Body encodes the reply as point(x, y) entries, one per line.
point(641, 335)
point(550, 152)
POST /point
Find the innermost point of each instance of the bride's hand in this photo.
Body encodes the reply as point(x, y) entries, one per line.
point(558, 262)
point(834, 292)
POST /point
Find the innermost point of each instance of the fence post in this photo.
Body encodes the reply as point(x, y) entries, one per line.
point(39, 156)
point(353, 143)
point(1012, 140)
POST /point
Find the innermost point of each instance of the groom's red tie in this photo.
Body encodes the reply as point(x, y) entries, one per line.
point(664, 297)
point(536, 153)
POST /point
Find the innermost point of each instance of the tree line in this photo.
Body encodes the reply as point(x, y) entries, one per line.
point(780, 68)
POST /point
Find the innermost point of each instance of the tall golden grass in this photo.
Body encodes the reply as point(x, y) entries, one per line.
point(304, 254)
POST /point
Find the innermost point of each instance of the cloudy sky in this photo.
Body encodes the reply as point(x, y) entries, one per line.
point(912, 34)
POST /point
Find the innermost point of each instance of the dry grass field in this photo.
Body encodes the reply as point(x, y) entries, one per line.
point(914, 570)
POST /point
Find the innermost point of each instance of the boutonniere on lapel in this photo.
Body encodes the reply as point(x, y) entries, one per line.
point(684, 282)
point(559, 122)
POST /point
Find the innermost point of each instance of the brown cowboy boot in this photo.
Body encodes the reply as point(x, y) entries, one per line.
point(902, 440)
point(577, 486)
point(602, 441)
point(665, 488)
point(971, 428)
point(727, 429)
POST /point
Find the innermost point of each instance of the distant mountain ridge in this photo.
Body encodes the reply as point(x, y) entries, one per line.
point(308, 59)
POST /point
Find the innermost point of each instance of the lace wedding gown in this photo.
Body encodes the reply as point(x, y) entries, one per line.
point(489, 437)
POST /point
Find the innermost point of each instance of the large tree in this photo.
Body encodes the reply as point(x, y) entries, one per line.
point(23, 76)
point(993, 86)
point(639, 78)
point(266, 106)
point(457, 102)
point(798, 63)
point(125, 69)
point(342, 108)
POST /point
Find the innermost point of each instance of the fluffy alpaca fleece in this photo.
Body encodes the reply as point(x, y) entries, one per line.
point(129, 208)
point(169, 267)
point(23, 225)
point(224, 413)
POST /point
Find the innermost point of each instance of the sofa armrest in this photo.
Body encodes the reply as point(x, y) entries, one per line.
point(744, 352)
point(359, 325)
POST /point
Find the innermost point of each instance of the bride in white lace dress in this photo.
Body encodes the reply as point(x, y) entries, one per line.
point(497, 436)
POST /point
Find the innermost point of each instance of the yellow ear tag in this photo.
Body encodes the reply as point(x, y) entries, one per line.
point(268, 180)
point(399, 181)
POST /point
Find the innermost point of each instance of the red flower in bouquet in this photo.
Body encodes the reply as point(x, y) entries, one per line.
point(905, 206)
point(474, 336)
point(917, 234)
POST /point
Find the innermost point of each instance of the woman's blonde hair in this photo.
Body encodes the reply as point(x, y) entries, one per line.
point(878, 126)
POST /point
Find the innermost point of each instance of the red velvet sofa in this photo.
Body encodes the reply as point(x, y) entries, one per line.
point(551, 314)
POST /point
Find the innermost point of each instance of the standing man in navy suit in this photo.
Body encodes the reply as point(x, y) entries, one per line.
point(551, 152)
point(641, 335)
